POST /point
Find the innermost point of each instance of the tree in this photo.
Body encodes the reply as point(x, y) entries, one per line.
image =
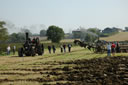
point(90, 37)
point(17, 37)
point(94, 30)
point(3, 35)
point(126, 28)
point(42, 33)
point(110, 30)
point(95, 33)
point(3, 31)
point(55, 34)
point(107, 30)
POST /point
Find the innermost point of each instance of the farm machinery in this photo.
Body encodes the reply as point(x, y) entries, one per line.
point(31, 48)
point(98, 46)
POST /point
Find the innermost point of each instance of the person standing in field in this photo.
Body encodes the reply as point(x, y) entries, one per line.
point(61, 48)
point(54, 48)
point(108, 50)
point(64, 47)
point(113, 46)
point(8, 50)
point(42, 48)
point(49, 49)
point(69, 47)
point(14, 49)
point(117, 48)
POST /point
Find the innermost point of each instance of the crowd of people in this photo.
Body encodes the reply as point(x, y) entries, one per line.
point(9, 50)
point(113, 48)
point(50, 48)
point(62, 48)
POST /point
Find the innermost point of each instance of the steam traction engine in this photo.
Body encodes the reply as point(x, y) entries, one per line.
point(31, 48)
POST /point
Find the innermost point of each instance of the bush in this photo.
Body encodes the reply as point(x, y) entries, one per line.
point(55, 34)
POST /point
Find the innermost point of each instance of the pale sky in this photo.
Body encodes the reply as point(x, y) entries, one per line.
point(67, 14)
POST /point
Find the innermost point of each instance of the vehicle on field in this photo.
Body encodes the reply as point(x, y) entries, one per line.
point(31, 48)
point(98, 46)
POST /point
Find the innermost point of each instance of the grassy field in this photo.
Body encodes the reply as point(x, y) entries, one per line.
point(122, 36)
point(40, 70)
point(48, 68)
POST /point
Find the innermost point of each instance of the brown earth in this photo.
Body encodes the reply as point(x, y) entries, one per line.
point(98, 71)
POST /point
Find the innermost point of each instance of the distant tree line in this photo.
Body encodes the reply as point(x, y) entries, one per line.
point(55, 34)
point(92, 34)
point(109, 31)
point(126, 29)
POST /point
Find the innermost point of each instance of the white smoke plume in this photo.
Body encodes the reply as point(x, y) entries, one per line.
point(84, 33)
point(34, 29)
point(11, 27)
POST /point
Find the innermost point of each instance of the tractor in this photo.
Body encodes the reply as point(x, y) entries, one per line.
point(31, 48)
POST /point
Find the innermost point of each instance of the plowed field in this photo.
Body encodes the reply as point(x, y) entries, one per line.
point(65, 69)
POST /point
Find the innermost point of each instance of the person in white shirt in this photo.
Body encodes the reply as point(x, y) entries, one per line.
point(61, 48)
point(108, 50)
point(8, 50)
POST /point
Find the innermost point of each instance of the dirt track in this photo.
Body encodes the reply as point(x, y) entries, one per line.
point(99, 71)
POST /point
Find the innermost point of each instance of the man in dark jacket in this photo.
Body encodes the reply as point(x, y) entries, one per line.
point(54, 48)
point(49, 49)
point(69, 47)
